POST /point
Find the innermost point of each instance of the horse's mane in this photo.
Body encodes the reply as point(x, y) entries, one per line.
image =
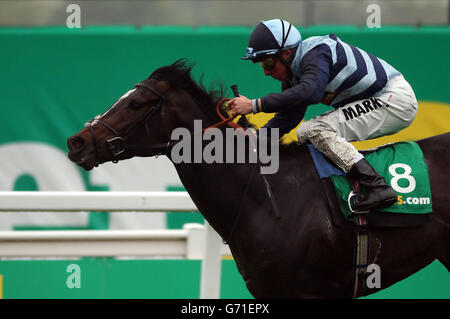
point(178, 75)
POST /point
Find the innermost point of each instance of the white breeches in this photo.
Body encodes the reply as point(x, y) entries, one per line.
point(382, 115)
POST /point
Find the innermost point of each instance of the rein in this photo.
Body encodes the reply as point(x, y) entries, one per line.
point(118, 145)
point(225, 121)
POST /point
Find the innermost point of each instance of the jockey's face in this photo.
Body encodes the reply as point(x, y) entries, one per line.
point(279, 71)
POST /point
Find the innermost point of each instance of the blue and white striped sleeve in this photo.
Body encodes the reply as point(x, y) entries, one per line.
point(315, 71)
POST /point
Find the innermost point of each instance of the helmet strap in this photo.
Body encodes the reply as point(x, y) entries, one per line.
point(285, 63)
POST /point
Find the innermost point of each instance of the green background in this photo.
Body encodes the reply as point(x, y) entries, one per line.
point(53, 79)
point(58, 78)
point(164, 279)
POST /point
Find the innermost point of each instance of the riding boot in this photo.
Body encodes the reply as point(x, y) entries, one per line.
point(378, 193)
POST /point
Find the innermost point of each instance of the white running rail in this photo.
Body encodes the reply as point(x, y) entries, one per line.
point(194, 241)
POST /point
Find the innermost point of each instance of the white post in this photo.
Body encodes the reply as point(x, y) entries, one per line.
point(211, 265)
point(195, 244)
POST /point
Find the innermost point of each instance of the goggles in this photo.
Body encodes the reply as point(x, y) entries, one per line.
point(268, 63)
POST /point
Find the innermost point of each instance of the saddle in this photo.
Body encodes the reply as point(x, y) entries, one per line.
point(336, 185)
point(333, 178)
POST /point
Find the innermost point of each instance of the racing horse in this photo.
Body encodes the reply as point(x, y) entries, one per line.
point(303, 254)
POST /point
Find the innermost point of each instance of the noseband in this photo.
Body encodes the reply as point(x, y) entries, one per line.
point(118, 144)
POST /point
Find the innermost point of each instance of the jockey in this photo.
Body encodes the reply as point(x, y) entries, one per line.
point(370, 99)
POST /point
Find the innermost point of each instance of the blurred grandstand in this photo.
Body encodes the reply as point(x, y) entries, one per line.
point(221, 12)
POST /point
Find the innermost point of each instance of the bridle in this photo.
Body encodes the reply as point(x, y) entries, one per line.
point(118, 144)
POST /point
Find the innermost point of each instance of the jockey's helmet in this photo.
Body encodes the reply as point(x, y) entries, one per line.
point(270, 38)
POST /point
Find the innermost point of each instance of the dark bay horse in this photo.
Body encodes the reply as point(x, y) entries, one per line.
point(303, 254)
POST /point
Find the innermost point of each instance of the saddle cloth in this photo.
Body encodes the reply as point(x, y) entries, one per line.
point(403, 167)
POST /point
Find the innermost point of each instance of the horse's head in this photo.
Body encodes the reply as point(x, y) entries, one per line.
point(141, 121)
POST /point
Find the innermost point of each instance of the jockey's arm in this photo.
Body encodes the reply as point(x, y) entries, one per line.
point(285, 121)
point(315, 69)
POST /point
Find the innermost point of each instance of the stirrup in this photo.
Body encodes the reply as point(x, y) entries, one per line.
point(349, 201)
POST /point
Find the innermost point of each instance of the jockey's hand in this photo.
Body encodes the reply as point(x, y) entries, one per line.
point(240, 105)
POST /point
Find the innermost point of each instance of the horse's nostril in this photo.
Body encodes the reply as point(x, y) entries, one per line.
point(76, 142)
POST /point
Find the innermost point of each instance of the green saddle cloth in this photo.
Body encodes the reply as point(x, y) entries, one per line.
point(404, 169)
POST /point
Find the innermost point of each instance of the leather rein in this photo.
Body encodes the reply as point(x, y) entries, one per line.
point(118, 144)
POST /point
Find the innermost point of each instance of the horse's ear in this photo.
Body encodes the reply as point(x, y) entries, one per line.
point(180, 62)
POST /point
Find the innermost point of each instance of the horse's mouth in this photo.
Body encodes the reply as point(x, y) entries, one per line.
point(87, 165)
point(85, 160)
